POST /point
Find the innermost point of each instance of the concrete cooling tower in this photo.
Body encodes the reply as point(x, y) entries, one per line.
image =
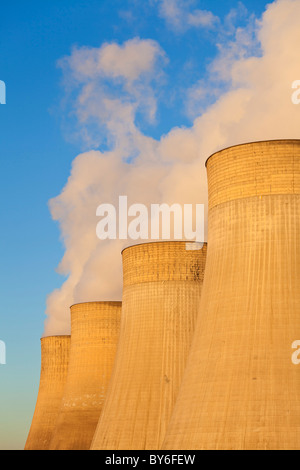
point(241, 389)
point(54, 368)
point(95, 330)
point(161, 292)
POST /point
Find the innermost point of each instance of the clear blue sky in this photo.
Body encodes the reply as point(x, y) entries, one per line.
point(36, 156)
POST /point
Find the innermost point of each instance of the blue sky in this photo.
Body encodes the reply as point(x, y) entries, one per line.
point(38, 145)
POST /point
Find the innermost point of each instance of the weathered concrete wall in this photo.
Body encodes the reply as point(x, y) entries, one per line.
point(161, 295)
point(95, 328)
point(54, 369)
point(241, 390)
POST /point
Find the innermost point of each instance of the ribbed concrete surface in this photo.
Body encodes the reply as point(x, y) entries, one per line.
point(241, 390)
point(54, 367)
point(95, 328)
point(161, 295)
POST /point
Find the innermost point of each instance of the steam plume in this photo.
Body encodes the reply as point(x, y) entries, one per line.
point(252, 78)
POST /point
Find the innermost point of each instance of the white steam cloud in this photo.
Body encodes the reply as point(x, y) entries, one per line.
point(256, 70)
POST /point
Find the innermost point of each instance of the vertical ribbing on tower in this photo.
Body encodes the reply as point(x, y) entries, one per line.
point(241, 389)
point(161, 294)
point(95, 331)
point(55, 352)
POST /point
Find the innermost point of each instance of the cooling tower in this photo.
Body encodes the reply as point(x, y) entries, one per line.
point(161, 293)
point(54, 368)
point(241, 389)
point(95, 330)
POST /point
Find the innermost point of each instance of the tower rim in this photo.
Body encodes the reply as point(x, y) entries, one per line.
point(54, 336)
point(159, 242)
point(251, 143)
point(99, 302)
